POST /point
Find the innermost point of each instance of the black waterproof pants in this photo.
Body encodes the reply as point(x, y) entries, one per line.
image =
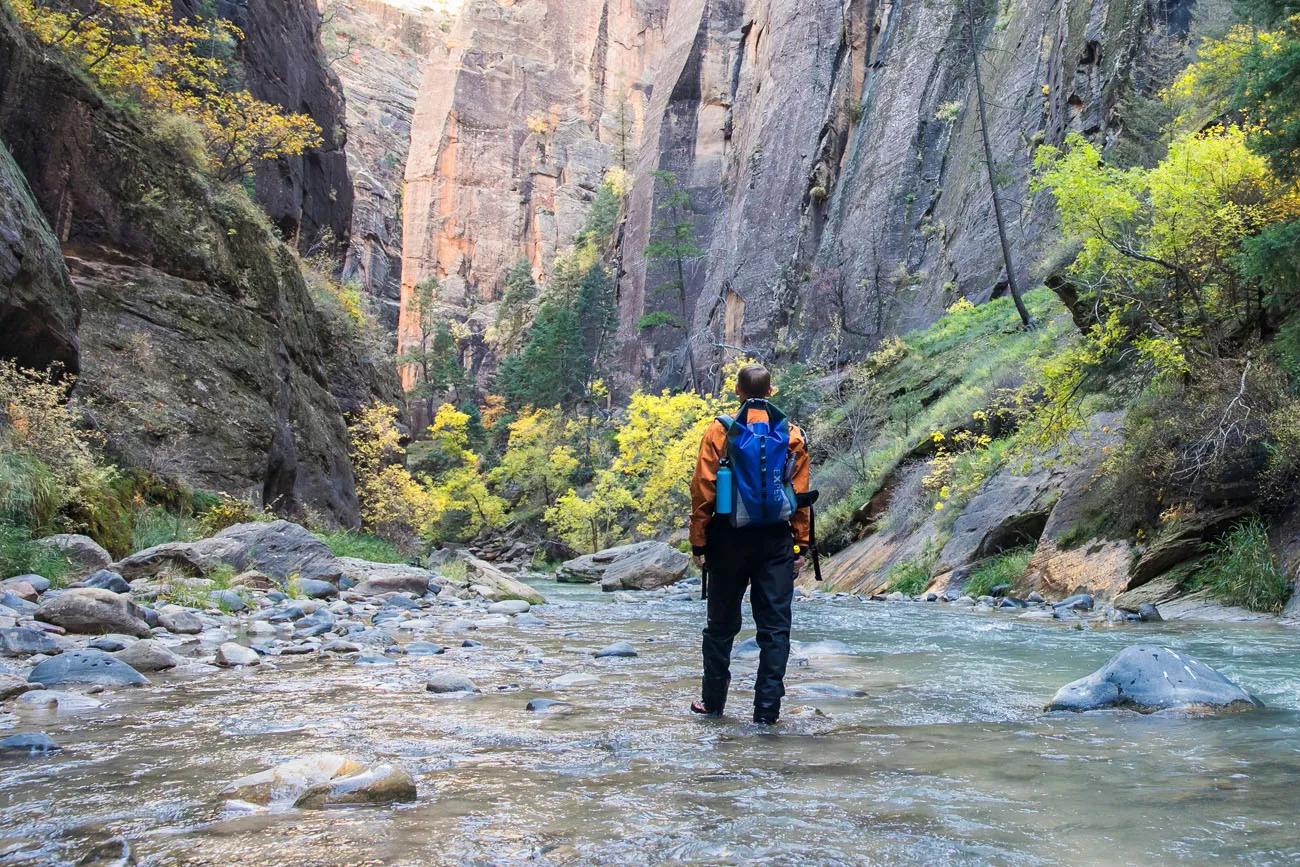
point(761, 558)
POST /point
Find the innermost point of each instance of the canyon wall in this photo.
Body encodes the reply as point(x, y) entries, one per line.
point(201, 354)
point(831, 149)
point(378, 50)
point(517, 120)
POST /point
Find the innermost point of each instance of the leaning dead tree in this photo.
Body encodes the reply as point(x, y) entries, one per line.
point(1012, 280)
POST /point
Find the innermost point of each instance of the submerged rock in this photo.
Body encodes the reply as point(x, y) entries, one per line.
point(94, 611)
point(826, 690)
point(382, 784)
point(543, 705)
point(1148, 679)
point(289, 781)
point(86, 667)
point(37, 743)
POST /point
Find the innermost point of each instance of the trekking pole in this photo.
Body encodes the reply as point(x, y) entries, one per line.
point(704, 582)
point(806, 500)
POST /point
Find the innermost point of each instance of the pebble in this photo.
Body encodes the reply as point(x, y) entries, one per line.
point(509, 606)
point(425, 648)
point(339, 646)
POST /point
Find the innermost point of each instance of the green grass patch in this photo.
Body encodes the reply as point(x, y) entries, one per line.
point(155, 525)
point(909, 577)
point(456, 571)
point(20, 555)
point(1006, 568)
point(362, 546)
point(1240, 570)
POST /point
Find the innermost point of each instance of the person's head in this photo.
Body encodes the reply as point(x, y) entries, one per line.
point(753, 382)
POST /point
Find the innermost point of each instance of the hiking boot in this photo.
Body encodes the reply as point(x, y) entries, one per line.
point(765, 720)
point(702, 709)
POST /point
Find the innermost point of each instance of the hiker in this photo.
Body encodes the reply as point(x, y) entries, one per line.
point(757, 539)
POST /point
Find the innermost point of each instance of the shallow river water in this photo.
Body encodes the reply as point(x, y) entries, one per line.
point(947, 759)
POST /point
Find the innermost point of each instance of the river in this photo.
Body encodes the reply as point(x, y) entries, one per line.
point(946, 759)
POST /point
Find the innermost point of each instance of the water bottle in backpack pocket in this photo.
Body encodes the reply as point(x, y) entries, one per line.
point(726, 489)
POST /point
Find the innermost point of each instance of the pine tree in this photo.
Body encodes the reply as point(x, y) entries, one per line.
point(673, 245)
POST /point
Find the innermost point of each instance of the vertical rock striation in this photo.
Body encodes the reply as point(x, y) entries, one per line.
point(378, 50)
point(831, 149)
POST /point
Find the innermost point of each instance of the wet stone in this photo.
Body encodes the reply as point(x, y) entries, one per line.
point(373, 659)
point(149, 655)
point(617, 649)
point(1079, 602)
point(425, 648)
point(21, 641)
point(231, 655)
point(105, 579)
point(112, 643)
point(545, 705)
point(1148, 613)
point(509, 606)
point(181, 622)
point(85, 667)
point(34, 744)
point(450, 682)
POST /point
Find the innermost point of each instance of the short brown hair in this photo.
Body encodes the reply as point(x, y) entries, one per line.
point(754, 381)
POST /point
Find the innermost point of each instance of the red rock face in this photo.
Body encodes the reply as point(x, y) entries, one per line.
point(831, 151)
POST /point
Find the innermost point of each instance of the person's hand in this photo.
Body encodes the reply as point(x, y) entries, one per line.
point(699, 560)
point(799, 563)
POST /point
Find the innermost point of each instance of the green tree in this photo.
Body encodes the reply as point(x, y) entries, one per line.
point(521, 291)
point(671, 248)
point(435, 354)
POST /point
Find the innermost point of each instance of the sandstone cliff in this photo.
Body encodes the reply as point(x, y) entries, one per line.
point(831, 150)
point(378, 51)
point(201, 354)
point(517, 119)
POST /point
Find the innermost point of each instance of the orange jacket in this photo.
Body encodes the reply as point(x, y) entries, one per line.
point(704, 482)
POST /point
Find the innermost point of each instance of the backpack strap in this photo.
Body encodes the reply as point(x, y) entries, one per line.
point(726, 421)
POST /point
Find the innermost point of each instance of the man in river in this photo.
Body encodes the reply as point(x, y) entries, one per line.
point(753, 536)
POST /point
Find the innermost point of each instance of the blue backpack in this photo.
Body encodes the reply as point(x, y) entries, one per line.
point(761, 464)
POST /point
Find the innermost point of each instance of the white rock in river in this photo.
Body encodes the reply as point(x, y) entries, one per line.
point(289, 781)
point(509, 606)
point(382, 784)
point(450, 682)
point(1148, 679)
point(231, 655)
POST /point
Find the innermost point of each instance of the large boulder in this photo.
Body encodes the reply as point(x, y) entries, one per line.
point(1148, 679)
point(92, 667)
point(279, 549)
point(85, 556)
point(488, 582)
point(640, 566)
point(92, 611)
point(376, 578)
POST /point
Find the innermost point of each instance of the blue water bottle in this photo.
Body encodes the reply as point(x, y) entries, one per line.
point(723, 505)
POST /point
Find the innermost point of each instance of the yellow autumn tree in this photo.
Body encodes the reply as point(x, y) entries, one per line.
point(538, 464)
point(462, 506)
point(137, 49)
point(393, 504)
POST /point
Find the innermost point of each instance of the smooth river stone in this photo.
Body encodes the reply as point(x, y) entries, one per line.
point(1148, 679)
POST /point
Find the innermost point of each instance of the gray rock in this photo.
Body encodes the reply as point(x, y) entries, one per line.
point(373, 637)
point(107, 580)
point(1036, 597)
point(12, 685)
point(425, 648)
point(17, 603)
point(314, 589)
point(315, 624)
point(617, 649)
point(22, 587)
point(149, 655)
point(640, 566)
point(228, 600)
point(543, 705)
point(83, 553)
point(509, 606)
point(36, 582)
point(1147, 679)
point(450, 682)
point(114, 852)
point(33, 744)
point(93, 611)
point(85, 667)
point(231, 655)
point(374, 579)
point(529, 621)
point(112, 643)
point(180, 622)
point(1148, 613)
point(278, 549)
point(1079, 602)
point(340, 646)
point(469, 642)
point(486, 581)
point(21, 641)
point(401, 603)
point(373, 659)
